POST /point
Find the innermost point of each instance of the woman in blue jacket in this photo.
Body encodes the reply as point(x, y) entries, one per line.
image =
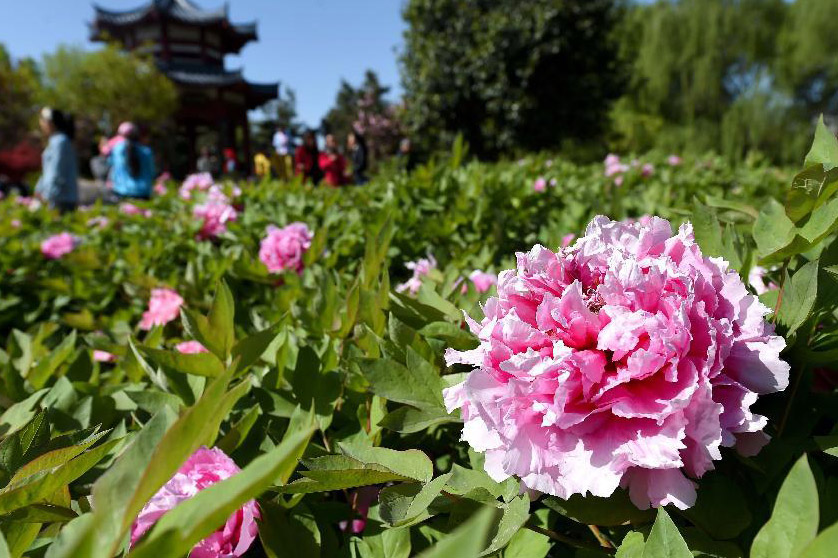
point(58, 185)
point(132, 165)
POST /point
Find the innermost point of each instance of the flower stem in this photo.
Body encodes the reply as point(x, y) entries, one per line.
point(576, 543)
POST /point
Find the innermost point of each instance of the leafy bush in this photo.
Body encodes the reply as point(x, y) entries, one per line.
point(325, 387)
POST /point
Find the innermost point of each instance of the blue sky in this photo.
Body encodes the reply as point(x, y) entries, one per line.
point(308, 45)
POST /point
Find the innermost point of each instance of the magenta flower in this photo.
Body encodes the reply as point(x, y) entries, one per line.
point(215, 216)
point(205, 468)
point(199, 181)
point(628, 359)
point(567, 239)
point(540, 184)
point(673, 160)
point(283, 249)
point(160, 189)
point(103, 356)
point(190, 348)
point(127, 208)
point(618, 181)
point(648, 169)
point(99, 221)
point(360, 499)
point(15, 223)
point(420, 268)
point(58, 245)
point(163, 307)
point(482, 280)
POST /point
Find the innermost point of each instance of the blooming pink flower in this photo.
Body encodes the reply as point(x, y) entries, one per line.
point(205, 468)
point(618, 181)
point(99, 221)
point(673, 160)
point(163, 307)
point(628, 359)
point(15, 223)
point(567, 239)
point(190, 348)
point(198, 181)
point(540, 184)
point(58, 245)
point(103, 356)
point(32, 204)
point(283, 249)
point(160, 189)
point(215, 216)
point(420, 268)
point(482, 280)
point(648, 169)
point(127, 208)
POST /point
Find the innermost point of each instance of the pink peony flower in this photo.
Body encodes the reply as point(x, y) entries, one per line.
point(482, 280)
point(567, 239)
point(648, 169)
point(205, 468)
point(160, 189)
point(540, 184)
point(215, 216)
point(190, 348)
point(15, 223)
point(755, 280)
point(420, 268)
point(199, 181)
point(283, 249)
point(618, 181)
point(127, 208)
point(163, 307)
point(628, 359)
point(99, 221)
point(673, 160)
point(103, 356)
point(58, 245)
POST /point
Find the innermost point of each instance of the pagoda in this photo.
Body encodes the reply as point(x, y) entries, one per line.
point(188, 44)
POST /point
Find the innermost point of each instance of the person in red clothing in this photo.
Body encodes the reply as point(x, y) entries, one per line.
point(18, 161)
point(333, 163)
point(307, 158)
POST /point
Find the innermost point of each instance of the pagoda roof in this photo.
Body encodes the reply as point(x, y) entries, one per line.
point(210, 76)
point(183, 11)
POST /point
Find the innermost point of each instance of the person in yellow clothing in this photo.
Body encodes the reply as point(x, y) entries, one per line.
point(262, 165)
point(281, 159)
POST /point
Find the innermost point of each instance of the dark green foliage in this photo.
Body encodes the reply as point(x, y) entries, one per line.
point(509, 74)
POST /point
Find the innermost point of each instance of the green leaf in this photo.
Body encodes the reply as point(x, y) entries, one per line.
point(239, 431)
point(413, 464)
point(251, 348)
point(4, 548)
point(221, 320)
point(515, 515)
point(401, 503)
point(55, 457)
point(527, 544)
point(617, 509)
point(40, 487)
point(664, 540)
point(708, 234)
point(773, 230)
point(799, 294)
point(824, 150)
point(794, 521)
point(192, 520)
point(455, 336)
point(419, 387)
point(45, 368)
point(824, 545)
point(69, 538)
point(199, 364)
point(408, 420)
point(467, 541)
point(277, 526)
point(632, 546)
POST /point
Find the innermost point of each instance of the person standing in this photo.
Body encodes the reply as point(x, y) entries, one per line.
point(281, 159)
point(58, 185)
point(357, 147)
point(406, 159)
point(132, 165)
point(333, 163)
point(307, 158)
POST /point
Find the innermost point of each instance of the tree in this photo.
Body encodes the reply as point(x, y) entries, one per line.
point(19, 85)
point(366, 110)
point(107, 86)
point(509, 74)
